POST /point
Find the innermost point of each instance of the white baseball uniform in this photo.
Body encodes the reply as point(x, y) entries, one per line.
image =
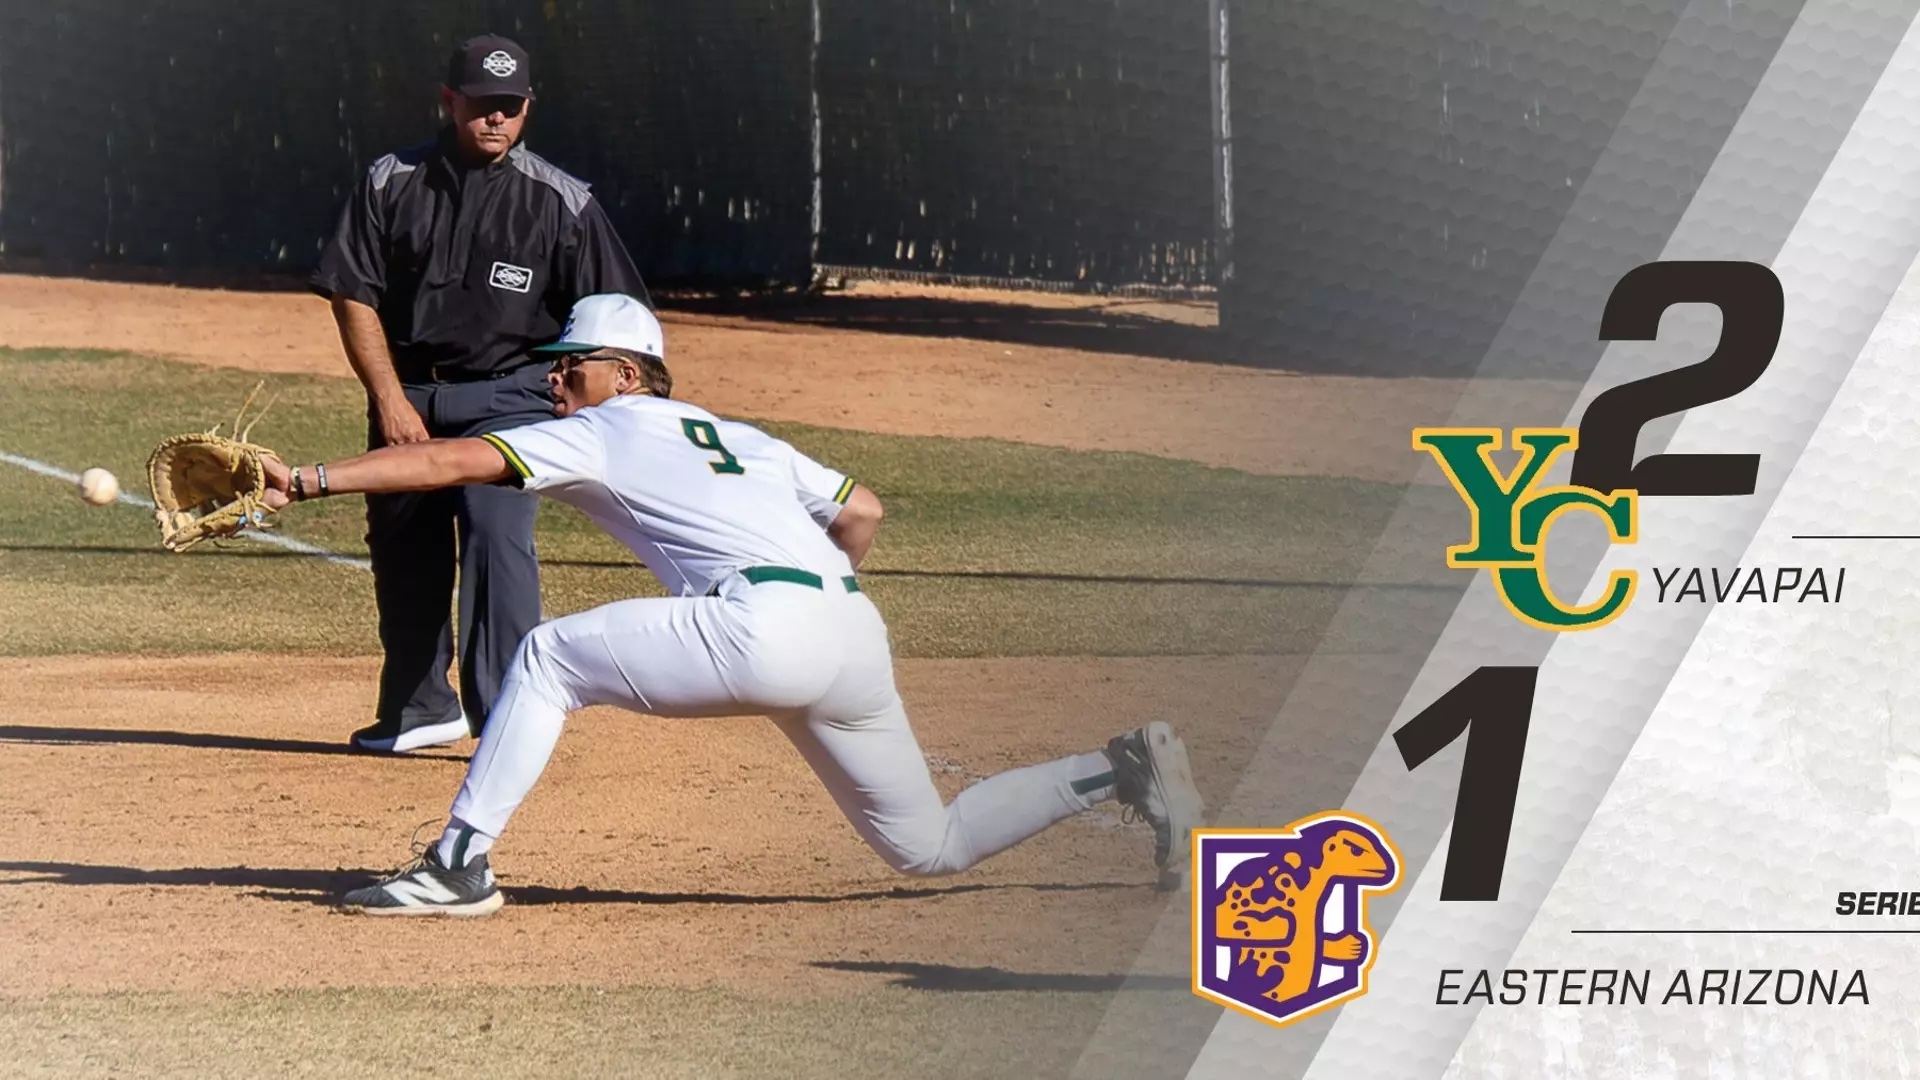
point(768, 619)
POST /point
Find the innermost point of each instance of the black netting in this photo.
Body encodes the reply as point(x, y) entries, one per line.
point(205, 134)
point(692, 121)
point(1065, 140)
point(192, 133)
point(1054, 139)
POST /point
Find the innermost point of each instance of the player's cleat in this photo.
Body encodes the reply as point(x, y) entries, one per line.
point(387, 738)
point(428, 888)
point(1154, 783)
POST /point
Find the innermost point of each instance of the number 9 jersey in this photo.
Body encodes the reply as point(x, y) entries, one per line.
point(694, 496)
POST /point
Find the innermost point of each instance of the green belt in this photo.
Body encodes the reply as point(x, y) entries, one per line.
point(759, 575)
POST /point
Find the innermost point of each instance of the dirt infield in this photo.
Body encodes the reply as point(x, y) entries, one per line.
point(165, 828)
point(1058, 370)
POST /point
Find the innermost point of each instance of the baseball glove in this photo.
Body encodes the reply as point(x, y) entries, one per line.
point(207, 486)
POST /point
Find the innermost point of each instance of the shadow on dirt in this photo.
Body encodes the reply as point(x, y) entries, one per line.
point(316, 886)
point(198, 740)
point(1169, 330)
point(945, 977)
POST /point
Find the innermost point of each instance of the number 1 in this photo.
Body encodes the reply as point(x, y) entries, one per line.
point(1491, 707)
point(701, 434)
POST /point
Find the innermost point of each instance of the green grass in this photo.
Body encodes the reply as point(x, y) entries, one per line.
point(990, 548)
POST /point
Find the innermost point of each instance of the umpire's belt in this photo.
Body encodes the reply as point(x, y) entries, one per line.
point(448, 373)
point(758, 575)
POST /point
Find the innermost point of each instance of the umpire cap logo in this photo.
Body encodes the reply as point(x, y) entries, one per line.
point(510, 277)
point(500, 64)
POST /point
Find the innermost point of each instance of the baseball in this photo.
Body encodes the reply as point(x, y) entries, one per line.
point(98, 486)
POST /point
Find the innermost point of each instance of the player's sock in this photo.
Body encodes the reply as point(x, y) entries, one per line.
point(1092, 782)
point(1006, 808)
point(461, 844)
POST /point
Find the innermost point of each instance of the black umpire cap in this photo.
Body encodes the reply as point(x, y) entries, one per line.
point(489, 65)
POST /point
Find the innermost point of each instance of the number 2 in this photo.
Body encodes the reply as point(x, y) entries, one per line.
point(1752, 308)
point(701, 434)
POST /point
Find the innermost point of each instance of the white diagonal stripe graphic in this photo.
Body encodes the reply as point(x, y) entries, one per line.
point(1846, 256)
point(1681, 119)
point(1785, 739)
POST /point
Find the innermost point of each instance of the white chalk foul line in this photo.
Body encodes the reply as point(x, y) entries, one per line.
point(56, 473)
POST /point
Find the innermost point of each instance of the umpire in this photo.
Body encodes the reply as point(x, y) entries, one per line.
point(451, 261)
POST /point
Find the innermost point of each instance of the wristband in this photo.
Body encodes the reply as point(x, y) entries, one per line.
point(299, 487)
point(321, 470)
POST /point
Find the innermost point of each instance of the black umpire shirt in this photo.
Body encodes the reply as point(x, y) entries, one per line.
point(469, 267)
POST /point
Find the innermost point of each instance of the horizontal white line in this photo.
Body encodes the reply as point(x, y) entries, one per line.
point(56, 473)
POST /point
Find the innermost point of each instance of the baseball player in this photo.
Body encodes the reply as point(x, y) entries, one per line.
point(450, 261)
point(760, 545)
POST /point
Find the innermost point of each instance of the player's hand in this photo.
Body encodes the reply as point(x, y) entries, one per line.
point(279, 476)
point(400, 424)
point(279, 483)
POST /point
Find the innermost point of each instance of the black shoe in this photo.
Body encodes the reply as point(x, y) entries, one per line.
point(1153, 781)
point(387, 737)
point(429, 888)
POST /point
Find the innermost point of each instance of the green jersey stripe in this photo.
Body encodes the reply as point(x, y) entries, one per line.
point(513, 459)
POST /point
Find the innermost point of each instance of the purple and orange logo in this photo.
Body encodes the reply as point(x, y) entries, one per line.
point(1280, 915)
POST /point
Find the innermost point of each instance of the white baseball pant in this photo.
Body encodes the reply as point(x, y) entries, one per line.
point(819, 663)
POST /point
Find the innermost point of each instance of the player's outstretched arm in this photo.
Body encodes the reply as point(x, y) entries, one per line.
point(856, 525)
point(422, 466)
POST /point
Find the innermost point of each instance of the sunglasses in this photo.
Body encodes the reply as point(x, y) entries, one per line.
point(507, 105)
point(571, 362)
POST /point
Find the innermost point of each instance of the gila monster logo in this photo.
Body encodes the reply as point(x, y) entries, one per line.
point(1280, 915)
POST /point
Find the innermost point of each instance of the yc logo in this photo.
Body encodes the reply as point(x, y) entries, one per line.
point(1511, 519)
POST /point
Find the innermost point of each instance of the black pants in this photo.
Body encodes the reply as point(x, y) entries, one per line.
point(417, 539)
